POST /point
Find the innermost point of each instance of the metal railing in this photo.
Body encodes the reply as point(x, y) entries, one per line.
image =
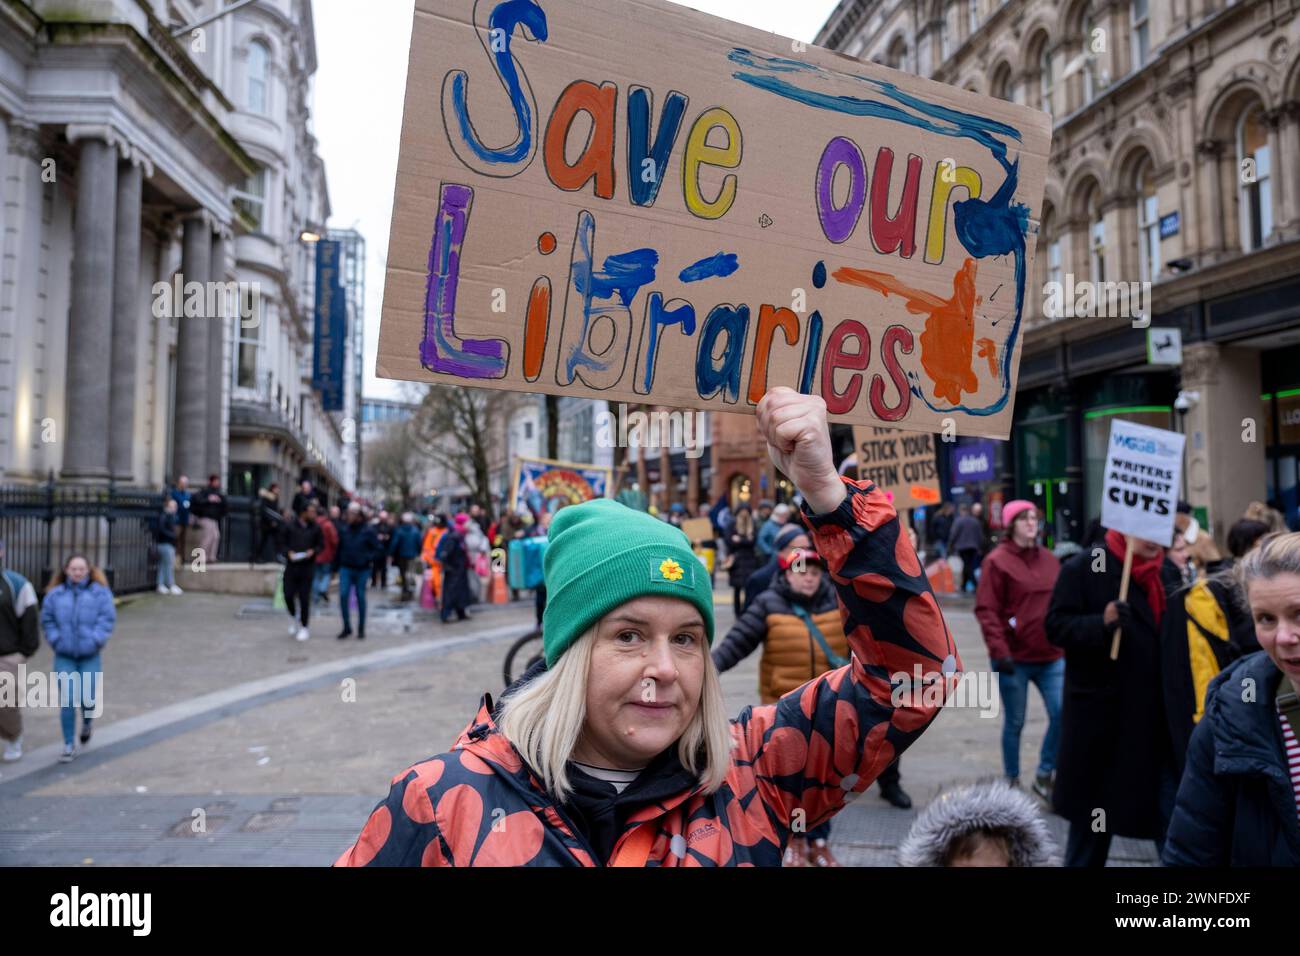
point(42, 524)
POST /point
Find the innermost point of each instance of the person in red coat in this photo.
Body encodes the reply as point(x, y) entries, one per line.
point(1015, 589)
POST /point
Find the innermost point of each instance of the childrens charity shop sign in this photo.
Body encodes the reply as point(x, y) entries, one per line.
point(639, 202)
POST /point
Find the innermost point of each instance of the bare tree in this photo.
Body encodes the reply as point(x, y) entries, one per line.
point(460, 428)
point(394, 463)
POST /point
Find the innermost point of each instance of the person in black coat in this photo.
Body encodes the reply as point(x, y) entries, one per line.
point(742, 559)
point(1239, 801)
point(1115, 770)
point(451, 554)
point(791, 536)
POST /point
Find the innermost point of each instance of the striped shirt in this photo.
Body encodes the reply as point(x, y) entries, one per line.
point(1292, 747)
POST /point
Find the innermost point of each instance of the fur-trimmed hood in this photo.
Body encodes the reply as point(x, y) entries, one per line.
point(990, 805)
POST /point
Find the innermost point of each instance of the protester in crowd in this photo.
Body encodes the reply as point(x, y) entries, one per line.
point(791, 537)
point(1239, 801)
point(405, 548)
point(1115, 757)
point(676, 514)
point(20, 638)
point(721, 517)
point(1011, 603)
point(302, 540)
point(429, 552)
point(78, 619)
point(983, 824)
point(1206, 628)
point(765, 543)
point(181, 495)
point(353, 560)
point(454, 559)
point(542, 530)
point(620, 726)
point(384, 535)
point(209, 509)
point(306, 495)
point(268, 523)
point(939, 528)
point(324, 559)
point(966, 540)
point(1266, 515)
point(165, 540)
point(1177, 570)
point(742, 560)
point(478, 551)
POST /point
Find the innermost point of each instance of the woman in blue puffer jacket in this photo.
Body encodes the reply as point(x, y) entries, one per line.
point(78, 618)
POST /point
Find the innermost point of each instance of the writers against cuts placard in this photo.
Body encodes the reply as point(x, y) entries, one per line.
point(1143, 475)
point(639, 202)
point(902, 464)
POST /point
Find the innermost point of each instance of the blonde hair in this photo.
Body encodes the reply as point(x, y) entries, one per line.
point(545, 718)
point(1275, 554)
point(1258, 511)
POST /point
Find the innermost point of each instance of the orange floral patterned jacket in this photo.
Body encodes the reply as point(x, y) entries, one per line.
point(794, 763)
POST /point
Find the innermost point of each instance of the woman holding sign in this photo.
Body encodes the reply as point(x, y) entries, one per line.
point(1114, 771)
point(615, 750)
point(1239, 803)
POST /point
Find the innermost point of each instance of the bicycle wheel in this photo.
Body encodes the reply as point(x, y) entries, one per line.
point(526, 651)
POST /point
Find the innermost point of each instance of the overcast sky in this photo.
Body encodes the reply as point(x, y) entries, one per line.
point(361, 51)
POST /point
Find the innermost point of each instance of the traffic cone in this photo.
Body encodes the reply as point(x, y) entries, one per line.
point(499, 594)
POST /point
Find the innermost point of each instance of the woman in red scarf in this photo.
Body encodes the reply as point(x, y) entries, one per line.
point(1115, 764)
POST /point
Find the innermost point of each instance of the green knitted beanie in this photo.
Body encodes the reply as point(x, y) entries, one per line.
point(602, 554)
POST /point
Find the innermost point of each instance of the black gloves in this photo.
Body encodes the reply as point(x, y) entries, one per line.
point(1125, 612)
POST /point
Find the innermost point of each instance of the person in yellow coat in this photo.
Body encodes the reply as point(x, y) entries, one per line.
point(428, 548)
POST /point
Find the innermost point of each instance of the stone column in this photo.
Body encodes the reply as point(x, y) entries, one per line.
point(126, 325)
point(1288, 173)
point(1282, 199)
point(90, 318)
point(1212, 234)
point(217, 367)
point(190, 447)
point(1226, 467)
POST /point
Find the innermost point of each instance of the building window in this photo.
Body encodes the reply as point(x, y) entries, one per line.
point(1046, 79)
point(251, 200)
point(1091, 38)
point(947, 30)
point(1254, 182)
point(1139, 32)
point(973, 16)
point(528, 431)
point(1001, 83)
point(1096, 237)
point(259, 61)
point(248, 342)
point(1148, 218)
point(896, 58)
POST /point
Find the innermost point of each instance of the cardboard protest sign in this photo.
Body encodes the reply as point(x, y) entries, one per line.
point(698, 529)
point(902, 464)
point(542, 484)
point(1142, 478)
point(636, 201)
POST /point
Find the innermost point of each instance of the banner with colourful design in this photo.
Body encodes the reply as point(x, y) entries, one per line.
point(542, 484)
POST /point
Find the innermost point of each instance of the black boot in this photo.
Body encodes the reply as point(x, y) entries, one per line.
point(361, 634)
point(895, 795)
point(345, 633)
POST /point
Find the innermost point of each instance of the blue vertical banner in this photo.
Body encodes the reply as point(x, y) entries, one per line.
point(331, 327)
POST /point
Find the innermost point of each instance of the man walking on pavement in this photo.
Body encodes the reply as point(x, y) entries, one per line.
point(325, 556)
point(209, 507)
point(1015, 589)
point(358, 546)
point(20, 638)
point(966, 540)
point(301, 540)
point(405, 548)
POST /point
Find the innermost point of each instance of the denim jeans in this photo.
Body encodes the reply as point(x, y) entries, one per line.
point(89, 690)
point(166, 573)
point(350, 578)
point(1014, 689)
point(321, 585)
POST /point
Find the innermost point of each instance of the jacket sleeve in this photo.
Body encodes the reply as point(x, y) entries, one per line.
point(990, 599)
point(392, 837)
point(105, 617)
point(1200, 830)
point(1070, 624)
point(834, 735)
point(743, 638)
point(50, 622)
point(27, 607)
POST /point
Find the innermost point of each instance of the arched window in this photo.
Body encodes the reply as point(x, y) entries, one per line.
point(1096, 236)
point(1254, 180)
point(1000, 84)
point(973, 16)
point(1046, 78)
point(896, 57)
point(1053, 239)
point(1148, 221)
point(1094, 45)
point(259, 61)
point(1139, 32)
